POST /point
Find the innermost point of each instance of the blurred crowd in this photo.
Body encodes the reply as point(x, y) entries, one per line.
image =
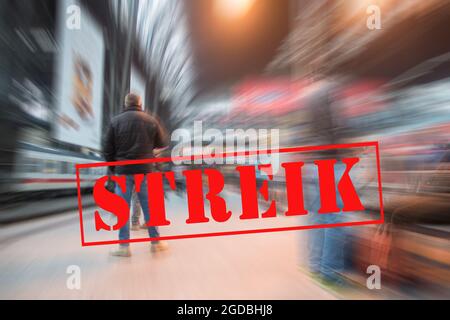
point(412, 127)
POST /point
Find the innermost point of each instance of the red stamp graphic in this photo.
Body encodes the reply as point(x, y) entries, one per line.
point(307, 192)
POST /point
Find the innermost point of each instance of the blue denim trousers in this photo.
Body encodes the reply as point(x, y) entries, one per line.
point(124, 232)
point(326, 247)
point(136, 209)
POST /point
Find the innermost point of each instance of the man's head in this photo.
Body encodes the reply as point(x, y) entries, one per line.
point(133, 100)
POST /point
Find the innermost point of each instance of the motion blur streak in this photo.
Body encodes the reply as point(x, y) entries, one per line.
point(319, 71)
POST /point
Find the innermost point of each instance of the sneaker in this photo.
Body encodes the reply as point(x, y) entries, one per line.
point(122, 251)
point(135, 227)
point(159, 246)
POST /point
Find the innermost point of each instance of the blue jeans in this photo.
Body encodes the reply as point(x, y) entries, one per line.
point(124, 232)
point(136, 209)
point(326, 246)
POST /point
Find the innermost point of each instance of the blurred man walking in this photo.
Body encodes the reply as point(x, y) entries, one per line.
point(134, 134)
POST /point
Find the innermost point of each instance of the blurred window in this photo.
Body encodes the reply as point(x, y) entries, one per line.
point(71, 168)
point(50, 166)
point(64, 167)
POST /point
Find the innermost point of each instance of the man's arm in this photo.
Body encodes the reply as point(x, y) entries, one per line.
point(161, 139)
point(109, 150)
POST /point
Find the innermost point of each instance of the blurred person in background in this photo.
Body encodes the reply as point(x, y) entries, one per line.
point(326, 247)
point(133, 134)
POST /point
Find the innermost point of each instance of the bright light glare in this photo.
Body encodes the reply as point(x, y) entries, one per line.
point(233, 8)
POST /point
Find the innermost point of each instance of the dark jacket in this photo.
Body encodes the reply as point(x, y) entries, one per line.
point(133, 135)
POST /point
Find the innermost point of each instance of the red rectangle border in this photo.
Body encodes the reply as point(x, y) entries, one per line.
point(234, 154)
